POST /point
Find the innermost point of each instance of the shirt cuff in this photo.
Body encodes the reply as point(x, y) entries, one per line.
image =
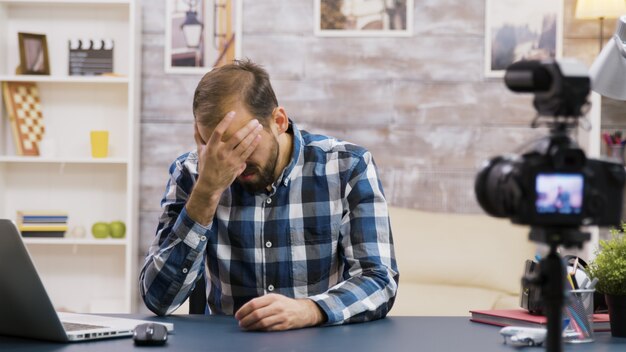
point(190, 232)
point(331, 306)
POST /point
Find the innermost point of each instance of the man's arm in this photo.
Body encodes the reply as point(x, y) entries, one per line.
point(370, 273)
point(176, 257)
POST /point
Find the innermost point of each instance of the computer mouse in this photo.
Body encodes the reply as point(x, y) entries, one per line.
point(150, 334)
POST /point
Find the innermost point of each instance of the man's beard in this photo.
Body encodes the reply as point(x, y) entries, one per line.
point(265, 175)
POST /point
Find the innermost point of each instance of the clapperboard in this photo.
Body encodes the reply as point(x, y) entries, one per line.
point(90, 57)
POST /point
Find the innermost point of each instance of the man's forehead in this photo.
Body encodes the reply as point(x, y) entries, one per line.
point(241, 119)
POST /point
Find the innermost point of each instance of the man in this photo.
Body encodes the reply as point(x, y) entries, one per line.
point(290, 229)
point(562, 201)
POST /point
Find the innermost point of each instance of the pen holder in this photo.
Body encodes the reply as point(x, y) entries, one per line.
point(578, 311)
point(616, 152)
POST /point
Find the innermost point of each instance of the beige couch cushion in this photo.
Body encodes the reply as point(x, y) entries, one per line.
point(445, 300)
point(460, 252)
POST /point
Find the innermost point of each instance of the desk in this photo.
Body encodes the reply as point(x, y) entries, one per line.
point(221, 333)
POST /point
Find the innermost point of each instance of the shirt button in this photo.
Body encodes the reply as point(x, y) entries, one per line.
point(268, 201)
point(203, 238)
point(268, 244)
point(270, 288)
point(185, 270)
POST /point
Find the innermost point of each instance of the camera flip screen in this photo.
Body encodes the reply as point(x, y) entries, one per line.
point(559, 193)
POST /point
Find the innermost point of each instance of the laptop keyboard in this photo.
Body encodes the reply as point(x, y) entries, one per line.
point(74, 326)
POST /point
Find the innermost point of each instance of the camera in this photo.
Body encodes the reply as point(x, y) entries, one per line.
point(551, 183)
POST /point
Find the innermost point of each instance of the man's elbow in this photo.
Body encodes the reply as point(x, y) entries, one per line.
point(155, 306)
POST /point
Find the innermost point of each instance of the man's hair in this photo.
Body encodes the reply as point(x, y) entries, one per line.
point(221, 88)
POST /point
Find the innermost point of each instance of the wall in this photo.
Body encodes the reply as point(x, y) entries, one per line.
point(420, 104)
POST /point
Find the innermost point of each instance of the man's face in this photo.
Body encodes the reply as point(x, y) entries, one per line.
point(261, 165)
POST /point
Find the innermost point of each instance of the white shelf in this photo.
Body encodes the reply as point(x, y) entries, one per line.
point(54, 2)
point(76, 241)
point(42, 160)
point(65, 79)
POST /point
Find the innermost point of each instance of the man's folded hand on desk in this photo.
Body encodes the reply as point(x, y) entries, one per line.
point(274, 312)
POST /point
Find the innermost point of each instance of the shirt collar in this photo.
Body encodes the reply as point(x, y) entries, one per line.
point(296, 154)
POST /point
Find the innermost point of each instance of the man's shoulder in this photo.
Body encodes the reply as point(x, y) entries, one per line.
point(187, 162)
point(319, 143)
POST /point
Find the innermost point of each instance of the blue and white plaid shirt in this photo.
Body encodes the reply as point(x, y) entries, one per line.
point(322, 232)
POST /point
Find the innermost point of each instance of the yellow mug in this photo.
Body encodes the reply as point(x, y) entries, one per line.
point(99, 144)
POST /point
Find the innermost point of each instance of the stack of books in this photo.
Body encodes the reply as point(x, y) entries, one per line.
point(42, 223)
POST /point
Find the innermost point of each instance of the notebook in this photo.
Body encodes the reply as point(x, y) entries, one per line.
point(26, 310)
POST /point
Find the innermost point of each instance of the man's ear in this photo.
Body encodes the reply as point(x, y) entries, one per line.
point(280, 120)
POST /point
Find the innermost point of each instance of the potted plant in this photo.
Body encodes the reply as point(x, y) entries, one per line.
point(609, 267)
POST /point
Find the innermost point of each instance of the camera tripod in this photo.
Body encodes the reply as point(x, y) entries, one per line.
point(551, 279)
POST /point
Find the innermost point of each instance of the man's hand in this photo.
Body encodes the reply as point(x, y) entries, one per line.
point(219, 164)
point(275, 312)
point(225, 159)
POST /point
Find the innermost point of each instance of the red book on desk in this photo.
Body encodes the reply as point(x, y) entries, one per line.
point(521, 317)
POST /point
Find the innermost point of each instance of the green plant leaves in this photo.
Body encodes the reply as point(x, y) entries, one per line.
point(609, 266)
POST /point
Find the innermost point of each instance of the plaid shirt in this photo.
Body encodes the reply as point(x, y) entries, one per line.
point(322, 232)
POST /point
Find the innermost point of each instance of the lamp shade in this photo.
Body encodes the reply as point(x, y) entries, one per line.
point(192, 29)
point(608, 71)
point(594, 9)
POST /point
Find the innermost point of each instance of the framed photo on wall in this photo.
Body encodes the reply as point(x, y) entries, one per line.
point(521, 30)
point(33, 54)
point(369, 18)
point(201, 34)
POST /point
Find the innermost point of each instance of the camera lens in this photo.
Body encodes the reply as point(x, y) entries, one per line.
point(527, 76)
point(496, 189)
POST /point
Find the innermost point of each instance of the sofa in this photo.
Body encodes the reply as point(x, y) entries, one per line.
point(452, 263)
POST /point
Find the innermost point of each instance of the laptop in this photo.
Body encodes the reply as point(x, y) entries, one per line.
point(26, 309)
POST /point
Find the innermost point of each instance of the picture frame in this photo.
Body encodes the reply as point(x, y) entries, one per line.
point(518, 30)
point(33, 54)
point(364, 18)
point(201, 34)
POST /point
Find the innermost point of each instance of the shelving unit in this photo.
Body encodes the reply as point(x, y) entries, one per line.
point(80, 160)
point(80, 274)
point(64, 79)
point(76, 241)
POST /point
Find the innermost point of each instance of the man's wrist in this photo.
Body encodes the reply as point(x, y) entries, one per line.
point(201, 205)
point(206, 190)
point(317, 315)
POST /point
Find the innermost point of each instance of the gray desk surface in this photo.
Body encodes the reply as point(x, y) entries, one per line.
point(219, 333)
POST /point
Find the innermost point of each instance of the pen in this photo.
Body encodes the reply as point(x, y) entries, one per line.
point(574, 283)
point(607, 139)
point(573, 274)
point(585, 281)
point(569, 278)
point(593, 283)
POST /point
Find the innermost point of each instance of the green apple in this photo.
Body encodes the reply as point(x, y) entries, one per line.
point(118, 229)
point(101, 230)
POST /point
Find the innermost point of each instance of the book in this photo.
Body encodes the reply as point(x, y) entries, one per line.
point(47, 234)
point(42, 227)
point(521, 317)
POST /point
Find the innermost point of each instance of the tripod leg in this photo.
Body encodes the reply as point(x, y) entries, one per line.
point(553, 297)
